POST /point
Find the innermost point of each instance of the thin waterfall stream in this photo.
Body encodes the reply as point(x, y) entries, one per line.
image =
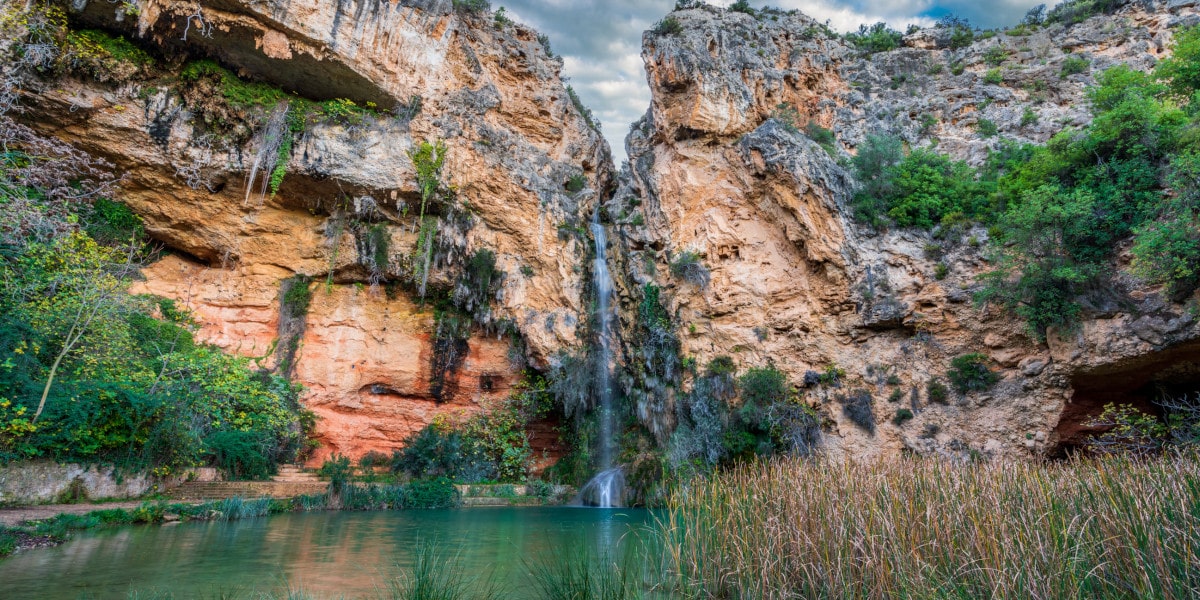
point(607, 489)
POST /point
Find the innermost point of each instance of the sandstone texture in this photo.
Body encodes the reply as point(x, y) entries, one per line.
point(796, 283)
point(514, 140)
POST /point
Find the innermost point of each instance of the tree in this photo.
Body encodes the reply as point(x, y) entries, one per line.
point(77, 290)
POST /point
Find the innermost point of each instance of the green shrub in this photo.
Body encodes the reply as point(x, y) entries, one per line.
point(338, 471)
point(432, 493)
point(576, 183)
point(1077, 11)
point(996, 55)
point(940, 271)
point(472, 6)
point(1167, 251)
point(241, 454)
point(903, 416)
point(970, 373)
point(993, 77)
point(1074, 65)
point(823, 137)
point(1182, 68)
point(896, 395)
point(113, 223)
point(742, 6)
point(957, 68)
point(917, 190)
point(876, 38)
point(500, 19)
point(1029, 117)
point(763, 386)
point(937, 391)
point(986, 128)
point(668, 26)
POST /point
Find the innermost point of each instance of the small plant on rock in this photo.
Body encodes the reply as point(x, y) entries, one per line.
point(970, 373)
point(937, 391)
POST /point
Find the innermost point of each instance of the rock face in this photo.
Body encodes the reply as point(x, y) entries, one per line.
point(719, 168)
point(795, 283)
point(515, 142)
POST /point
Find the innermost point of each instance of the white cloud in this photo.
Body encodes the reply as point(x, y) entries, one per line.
point(600, 40)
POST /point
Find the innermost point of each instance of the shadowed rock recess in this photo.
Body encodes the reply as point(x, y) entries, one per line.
point(721, 176)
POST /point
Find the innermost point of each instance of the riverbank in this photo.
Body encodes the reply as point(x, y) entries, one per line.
point(40, 526)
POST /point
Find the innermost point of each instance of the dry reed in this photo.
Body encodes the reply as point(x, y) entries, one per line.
point(913, 528)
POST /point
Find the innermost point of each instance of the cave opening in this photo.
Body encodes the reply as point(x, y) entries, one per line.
point(1141, 382)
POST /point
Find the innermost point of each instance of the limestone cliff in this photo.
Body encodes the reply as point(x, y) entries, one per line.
point(795, 282)
point(522, 165)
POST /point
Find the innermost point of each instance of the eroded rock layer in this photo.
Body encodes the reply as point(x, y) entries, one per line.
point(523, 167)
point(720, 167)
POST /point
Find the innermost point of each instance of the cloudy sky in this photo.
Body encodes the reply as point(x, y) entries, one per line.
point(600, 40)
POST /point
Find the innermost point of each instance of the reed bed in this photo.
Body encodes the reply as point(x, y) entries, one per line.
point(918, 528)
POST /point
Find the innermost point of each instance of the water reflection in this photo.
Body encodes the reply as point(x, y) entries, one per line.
point(336, 554)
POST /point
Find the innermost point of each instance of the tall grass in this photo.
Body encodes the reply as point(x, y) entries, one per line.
point(437, 576)
point(1094, 529)
point(574, 574)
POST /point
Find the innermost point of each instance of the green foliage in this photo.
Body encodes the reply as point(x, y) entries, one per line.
point(1074, 65)
point(823, 137)
point(961, 36)
point(743, 6)
point(996, 55)
point(431, 494)
point(1167, 249)
point(113, 223)
point(237, 93)
point(916, 190)
point(937, 391)
point(993, 77)
point(1065, 206)
point(500, 19)
point(490, 446)
point(576, 183)
point(1029, 117)
point(297, 295)
point(242, 454)
point(660, 347)
point(903, 416)
point(986, 128)
point(472, 6)
point(93, 53)
point(582, 108)
point(131, 388)
point(338, 470)
point(1077, 11)
point(1182, 68)
point(763, 386)
point(668, 26)
point(876, 38)
point(970, 373)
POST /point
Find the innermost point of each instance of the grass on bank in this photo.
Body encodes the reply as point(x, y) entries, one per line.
point(1094, 529)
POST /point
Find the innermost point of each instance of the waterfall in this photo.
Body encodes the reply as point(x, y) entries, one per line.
point(607, 489)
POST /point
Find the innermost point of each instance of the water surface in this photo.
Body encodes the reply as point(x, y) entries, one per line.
point(326, 554)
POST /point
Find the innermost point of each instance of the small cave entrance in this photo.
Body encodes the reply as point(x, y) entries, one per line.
point(1139, 382)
